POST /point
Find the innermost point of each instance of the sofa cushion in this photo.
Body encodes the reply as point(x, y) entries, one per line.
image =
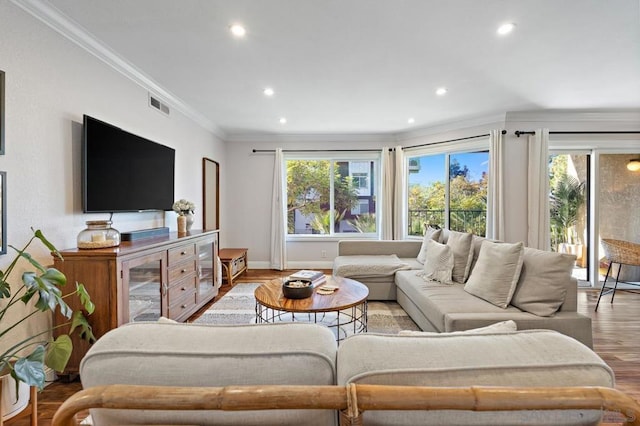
point(205, 355)
point(496, 272)
point(498, 327)
point(461, 245)
point(435, 300)
point(438, 265)
point(367, 265)
point(430, 234)
point(541, 288)
point(523, 358)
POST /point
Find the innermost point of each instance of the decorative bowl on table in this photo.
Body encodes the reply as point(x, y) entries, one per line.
point(297, 288)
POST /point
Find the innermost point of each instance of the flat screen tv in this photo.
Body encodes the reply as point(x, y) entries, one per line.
point(122, 172)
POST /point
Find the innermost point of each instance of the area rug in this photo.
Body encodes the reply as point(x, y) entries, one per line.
point(238, 307)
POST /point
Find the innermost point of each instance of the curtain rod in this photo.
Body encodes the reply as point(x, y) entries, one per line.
point(320, 150)
point(580, 132)
point(452, 140)
point(594, 132)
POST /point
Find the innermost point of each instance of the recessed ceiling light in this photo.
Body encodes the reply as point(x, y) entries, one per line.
point(283, 120)
point(268, 91)
point(238, 30)
point(440, 91)
point(506, 28)
point(411, 120)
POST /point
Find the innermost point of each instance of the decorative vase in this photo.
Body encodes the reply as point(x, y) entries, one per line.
point(190, 218)
point(182, 224)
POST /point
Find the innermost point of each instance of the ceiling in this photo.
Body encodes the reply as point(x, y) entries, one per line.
point(367, 66)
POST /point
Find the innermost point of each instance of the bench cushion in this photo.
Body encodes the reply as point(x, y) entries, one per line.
point(205, 355)
point(522, 358)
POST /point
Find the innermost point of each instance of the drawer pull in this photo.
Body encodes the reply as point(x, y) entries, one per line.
point(183, 271)
point(183, 253)
point(184, 289)
point(184, 306)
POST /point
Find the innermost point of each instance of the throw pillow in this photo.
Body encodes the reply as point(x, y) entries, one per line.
point(461, 244)
point(429, 234)
point(438, 264)
point(499, 327)
point(542, 287)
point(496, 273)
point(165, 320)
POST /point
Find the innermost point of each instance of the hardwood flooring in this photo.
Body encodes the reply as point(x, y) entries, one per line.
point(616, 332)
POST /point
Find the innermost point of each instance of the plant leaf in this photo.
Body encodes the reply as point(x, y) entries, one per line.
point(59, 352)
point(38, 233)
point(31, 260)
point(30, 369)
point(85, 299)
point(79, 321)
point(5, 289)
point(47, 285)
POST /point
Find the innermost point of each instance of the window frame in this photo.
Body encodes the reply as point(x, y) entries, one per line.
point(333, 157)
point(446, 149)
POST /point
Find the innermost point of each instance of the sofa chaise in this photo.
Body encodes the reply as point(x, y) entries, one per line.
point(543, 294)
point(306, 355)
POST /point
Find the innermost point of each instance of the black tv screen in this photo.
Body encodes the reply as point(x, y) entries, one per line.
point(122, 172)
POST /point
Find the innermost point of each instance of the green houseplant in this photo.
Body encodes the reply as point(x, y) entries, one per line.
point(40, 291)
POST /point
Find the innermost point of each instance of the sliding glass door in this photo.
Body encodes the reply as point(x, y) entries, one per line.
point(569, 188)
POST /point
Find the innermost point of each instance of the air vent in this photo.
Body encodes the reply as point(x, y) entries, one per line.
point(157, 104)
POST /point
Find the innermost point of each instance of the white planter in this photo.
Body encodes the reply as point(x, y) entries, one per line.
point(12, 406)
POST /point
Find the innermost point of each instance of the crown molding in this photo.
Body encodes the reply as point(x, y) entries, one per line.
point(451, 126)
point(310, 137)
point(626, 115)
point(73, 31)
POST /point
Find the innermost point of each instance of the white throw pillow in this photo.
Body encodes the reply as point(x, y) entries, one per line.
point(461, 244)
point(500, 327)
point(496, 273)
point(429, 234)
point(438, 265)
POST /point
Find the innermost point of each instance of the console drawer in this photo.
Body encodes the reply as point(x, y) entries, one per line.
point(182, 253)
point(182, 270)
point(180, 289)
point(183, 306)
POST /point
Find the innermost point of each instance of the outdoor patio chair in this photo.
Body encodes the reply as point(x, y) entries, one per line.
point(622, 253)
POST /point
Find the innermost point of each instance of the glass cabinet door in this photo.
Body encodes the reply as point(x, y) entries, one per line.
point(207, 269)
point(144, 284)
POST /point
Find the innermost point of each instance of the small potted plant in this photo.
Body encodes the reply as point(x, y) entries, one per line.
point(40, 290)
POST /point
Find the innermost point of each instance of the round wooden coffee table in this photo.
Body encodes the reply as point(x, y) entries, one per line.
point(344, 311)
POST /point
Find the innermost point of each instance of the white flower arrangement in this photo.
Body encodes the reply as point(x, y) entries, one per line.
point(182, 207)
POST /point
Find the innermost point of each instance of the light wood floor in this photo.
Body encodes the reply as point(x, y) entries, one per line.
point(616, 331)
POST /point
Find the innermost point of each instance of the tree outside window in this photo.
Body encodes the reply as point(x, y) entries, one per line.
point(327, 196)
point(461, 205)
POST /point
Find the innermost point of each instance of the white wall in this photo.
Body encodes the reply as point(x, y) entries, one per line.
point(50, 84)
point(248, 219)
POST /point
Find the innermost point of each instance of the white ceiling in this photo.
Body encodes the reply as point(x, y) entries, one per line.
point(366, 66)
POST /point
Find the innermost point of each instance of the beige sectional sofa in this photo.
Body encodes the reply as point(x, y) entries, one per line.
point(165, 354)
point(550, 301)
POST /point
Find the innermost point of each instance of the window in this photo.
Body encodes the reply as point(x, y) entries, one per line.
point(448, 190)
point(331, 196)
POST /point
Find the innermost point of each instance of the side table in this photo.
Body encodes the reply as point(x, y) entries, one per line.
point(234, 262)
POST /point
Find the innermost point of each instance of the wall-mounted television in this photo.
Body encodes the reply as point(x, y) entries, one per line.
point(123, 172)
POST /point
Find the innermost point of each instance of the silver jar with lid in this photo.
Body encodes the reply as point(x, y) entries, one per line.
point(98, 234)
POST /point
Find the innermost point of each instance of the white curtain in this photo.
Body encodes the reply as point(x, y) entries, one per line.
point(538, 191)
point(399, 221)
point(386, 206)
point(278, 218)
point(496, 192)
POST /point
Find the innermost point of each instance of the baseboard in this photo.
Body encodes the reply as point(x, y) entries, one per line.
point(328, 264)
